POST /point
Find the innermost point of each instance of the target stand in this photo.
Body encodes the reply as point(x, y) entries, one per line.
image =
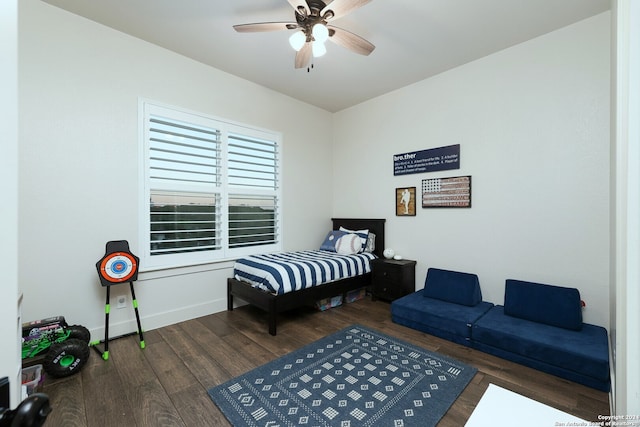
point(117, 266)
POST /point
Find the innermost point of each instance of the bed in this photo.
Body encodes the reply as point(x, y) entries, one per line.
point(277, 301)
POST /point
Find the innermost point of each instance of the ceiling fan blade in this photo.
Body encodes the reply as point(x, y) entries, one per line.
point(265, 26)
point(339, 8)
point(303, 55)
point(297, 4)
point(349, 40)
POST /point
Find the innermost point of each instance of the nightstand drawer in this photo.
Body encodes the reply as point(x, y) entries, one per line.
point(387, 274)
point(392, 279)
point(388, 290)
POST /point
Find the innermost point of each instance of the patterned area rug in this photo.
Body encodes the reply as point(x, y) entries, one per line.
point(355, 377)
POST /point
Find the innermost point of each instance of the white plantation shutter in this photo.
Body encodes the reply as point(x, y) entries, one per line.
point(252, 220)
point(252, 162)
point(212, 188)
point(179, 152)
point(253, 181)
point(183, 222)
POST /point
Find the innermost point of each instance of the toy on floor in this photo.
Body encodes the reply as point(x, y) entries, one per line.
point(62, 349)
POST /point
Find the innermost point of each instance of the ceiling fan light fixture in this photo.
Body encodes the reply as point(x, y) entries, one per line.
point(311, 29)
point(320, 33)
point(318, 48)
point(297, 40)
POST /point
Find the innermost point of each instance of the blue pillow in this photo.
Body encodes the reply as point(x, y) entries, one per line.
point(453, 286)
point(329, 243)
point(548, 304)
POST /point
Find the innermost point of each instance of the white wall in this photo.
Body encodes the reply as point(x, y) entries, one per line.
point(533, 125)
point(78, 159)
point(9, 289)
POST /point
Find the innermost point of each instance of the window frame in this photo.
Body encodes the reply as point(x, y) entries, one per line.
point(149, 262)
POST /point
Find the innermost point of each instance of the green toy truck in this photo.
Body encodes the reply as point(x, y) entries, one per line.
point(62, 349)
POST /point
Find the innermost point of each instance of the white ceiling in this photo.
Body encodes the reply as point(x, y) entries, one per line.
point(414, 39)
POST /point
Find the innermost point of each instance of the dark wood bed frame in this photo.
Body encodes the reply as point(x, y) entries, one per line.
point(274, 304)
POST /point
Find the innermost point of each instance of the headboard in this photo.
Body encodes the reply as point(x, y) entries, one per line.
point(375, 226)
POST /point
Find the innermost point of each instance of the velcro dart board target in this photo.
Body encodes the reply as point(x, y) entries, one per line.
point(118, 265)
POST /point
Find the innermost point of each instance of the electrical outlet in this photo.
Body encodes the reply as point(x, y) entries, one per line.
point(122, 302)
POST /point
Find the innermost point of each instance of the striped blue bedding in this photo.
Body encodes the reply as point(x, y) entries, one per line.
point(284, 272)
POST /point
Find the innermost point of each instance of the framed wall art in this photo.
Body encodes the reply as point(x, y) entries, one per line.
point(431, 160)
point(406, 201)
point(452, 192)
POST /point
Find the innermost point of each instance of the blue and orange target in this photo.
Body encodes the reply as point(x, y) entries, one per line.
point(118, 265)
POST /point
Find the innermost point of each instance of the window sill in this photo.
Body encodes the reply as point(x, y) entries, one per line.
point(162, 272)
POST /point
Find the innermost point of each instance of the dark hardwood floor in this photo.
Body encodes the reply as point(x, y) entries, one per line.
point(166, 383)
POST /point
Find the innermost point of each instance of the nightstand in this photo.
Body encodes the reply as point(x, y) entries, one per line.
point(392, 279)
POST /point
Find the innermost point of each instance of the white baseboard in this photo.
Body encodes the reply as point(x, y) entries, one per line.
point(160, 320)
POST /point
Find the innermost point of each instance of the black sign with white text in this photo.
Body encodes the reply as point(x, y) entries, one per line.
point(434, 159)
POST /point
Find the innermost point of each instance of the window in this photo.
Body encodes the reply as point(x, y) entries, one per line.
point(211, 189)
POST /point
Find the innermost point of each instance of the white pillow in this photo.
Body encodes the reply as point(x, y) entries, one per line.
point(362, 234)
point(348, 244)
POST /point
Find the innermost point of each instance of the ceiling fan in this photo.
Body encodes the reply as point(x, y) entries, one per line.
point(312, 23)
